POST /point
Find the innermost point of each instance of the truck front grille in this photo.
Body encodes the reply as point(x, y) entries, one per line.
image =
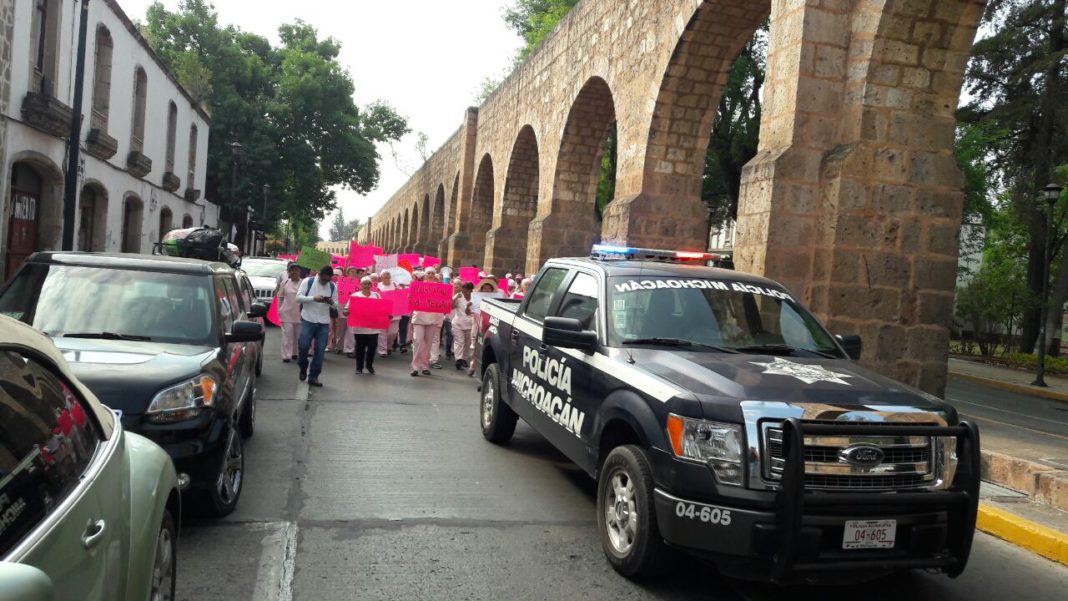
point(908, 462)
point(265, 294)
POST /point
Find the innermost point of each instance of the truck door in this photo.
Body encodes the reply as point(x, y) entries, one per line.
point(571, 377)
point(525, 343)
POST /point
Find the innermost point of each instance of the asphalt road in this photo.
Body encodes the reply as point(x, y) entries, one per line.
point(381, 487)
point(1020, 425)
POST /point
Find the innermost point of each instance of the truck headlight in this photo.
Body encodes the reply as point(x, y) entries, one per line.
point(715, 443)
point(182, 401)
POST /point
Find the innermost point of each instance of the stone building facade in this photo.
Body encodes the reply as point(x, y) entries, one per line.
point(853, 202)
point(144, 139)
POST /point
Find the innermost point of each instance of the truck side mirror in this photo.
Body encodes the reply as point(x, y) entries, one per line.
point(565, 332)
point(258, 310)
point(853, 346)
point(20, 582)
point(245, 331)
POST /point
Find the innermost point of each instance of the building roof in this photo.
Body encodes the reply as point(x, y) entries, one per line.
point(136, 33)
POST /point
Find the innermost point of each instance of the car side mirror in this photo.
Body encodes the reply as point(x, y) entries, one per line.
point(245, 331)
point(565, 332)
point(258, 310)
point(852, 345)
point(20, 582)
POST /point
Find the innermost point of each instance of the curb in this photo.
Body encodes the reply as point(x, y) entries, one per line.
point(1038, 539)
point(1011, 387)
point(1041, 483)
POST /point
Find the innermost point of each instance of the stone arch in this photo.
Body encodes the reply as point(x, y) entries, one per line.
point(413, 229)
point(133, 217)
point(405, 233)
point(568, 224)
point(481, 217)
point(450, 219)
point(437, 221)
point(92, 217)
point(187, 221)
point(506, 244)
point(426, 237)
point(36, 192)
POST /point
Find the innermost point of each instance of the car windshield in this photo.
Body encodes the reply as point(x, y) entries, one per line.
point(264, 269)
point(712, 315)
point(121, 304)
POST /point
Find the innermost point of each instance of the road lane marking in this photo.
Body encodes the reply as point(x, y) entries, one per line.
point(992, 420)
point(1041, 419)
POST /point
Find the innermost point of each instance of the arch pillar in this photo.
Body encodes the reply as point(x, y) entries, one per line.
point(854, 199)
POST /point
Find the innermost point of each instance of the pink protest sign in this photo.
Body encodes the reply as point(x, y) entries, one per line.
point(272, 313)
point(429, 261)
point(430, 297)
point(346, 287)
point(399, 298)
point(361, 256)
point(289, 258)
point(412, 259)
point(469, 274)
point(367, 312)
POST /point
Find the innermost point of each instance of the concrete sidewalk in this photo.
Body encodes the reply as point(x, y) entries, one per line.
point(1007, 378)
point(1024, 500)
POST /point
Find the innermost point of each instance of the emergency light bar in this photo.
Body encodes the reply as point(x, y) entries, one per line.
point(626, 253)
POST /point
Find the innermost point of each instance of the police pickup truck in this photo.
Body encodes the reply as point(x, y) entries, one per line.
point(720, 418)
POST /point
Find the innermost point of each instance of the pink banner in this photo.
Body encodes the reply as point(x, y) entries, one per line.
point(289, 258)
point(361, 256)
point(469, 274)
point(411, 258)
point(367, 312)
point(272, 313)
point(430, 297)
point(346, 287)
point(429, 261)
point(399, 298)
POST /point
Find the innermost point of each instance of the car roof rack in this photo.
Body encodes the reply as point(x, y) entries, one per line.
point(608, 252)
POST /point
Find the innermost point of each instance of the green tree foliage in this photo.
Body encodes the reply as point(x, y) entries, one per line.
point(290, 107)
point(1016, 79)
point(534, 20)
point(342, 229)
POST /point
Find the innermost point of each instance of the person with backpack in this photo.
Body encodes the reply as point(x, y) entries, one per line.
point(318, 299)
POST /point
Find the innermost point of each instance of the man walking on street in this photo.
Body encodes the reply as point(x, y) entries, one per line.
point(317, 296)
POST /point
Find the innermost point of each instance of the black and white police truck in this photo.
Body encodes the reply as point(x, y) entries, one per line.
point(720, 418)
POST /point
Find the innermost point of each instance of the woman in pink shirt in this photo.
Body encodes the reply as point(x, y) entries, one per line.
point(386, 340)
point(289, 312)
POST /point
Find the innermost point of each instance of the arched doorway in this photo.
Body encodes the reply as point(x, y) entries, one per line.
point(166, 222)
point(133, 211)
point(481, 217)
point(187, 221)
point(92, 219)
point(437, 221)
point(35, 212)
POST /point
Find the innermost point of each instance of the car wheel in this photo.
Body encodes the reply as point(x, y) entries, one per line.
point(497, 419)
point(626, 519)
point(247, 422)
point(225, 490)
point(165, 566)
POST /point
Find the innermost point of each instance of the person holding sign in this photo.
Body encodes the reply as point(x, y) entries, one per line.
point(386, 340)
point(463, 324)
point(425, 326)
point(366, 338)
point(317, 296)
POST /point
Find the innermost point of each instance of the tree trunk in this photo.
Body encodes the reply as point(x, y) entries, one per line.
point(1032, 314)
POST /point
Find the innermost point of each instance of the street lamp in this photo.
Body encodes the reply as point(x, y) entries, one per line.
point(235, 154)
point(1052, 193)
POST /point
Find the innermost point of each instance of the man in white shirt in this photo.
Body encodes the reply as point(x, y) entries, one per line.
point(317, 295)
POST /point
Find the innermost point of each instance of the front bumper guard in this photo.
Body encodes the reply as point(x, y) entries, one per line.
point(792, 498)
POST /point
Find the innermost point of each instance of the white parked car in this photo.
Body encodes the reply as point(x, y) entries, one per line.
point(264, 273)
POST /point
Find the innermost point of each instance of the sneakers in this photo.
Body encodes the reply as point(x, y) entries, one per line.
point(426, 372)
point(294, 357)
point(371, 370)
point(286, 360)
point(459, 364)
point(315, 382)
point(415, 372)
point(435, 365)
point(303, 374)
point(359, 372)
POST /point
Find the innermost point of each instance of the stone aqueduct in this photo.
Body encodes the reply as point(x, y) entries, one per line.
point(853, 201)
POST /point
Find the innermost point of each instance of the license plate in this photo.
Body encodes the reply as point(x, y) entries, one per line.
point(869, 534)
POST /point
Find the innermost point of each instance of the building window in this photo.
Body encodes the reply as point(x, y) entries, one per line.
point(137, 135)
point(191, 181)
point(172, 128)
point(102, 80)
point(44, 32)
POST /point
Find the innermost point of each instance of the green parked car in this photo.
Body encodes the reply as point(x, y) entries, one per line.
point(87, 511)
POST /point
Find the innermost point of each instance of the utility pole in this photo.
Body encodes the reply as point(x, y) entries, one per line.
point(74, 143)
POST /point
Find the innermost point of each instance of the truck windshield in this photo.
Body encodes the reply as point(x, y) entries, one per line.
point(115, 304)
point(712, 315)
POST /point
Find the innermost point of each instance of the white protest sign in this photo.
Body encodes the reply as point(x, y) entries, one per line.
point(384, 262)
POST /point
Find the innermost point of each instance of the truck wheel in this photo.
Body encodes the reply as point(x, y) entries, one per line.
point(626, 519)
point(165, 562)
point(497, 419)
point(219, 498)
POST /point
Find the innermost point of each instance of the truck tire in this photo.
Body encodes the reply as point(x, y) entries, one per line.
point(626, 519)
point(496, 418)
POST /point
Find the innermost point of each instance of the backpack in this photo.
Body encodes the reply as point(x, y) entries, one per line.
point(333, 310)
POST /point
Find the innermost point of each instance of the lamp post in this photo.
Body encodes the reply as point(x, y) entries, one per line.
point(74, 144)
point(235, 154)
point(1052, 193)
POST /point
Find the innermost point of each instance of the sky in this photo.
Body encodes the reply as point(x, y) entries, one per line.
point(427, 58)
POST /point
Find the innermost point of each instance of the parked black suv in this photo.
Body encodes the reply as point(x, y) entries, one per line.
point(168, 342)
